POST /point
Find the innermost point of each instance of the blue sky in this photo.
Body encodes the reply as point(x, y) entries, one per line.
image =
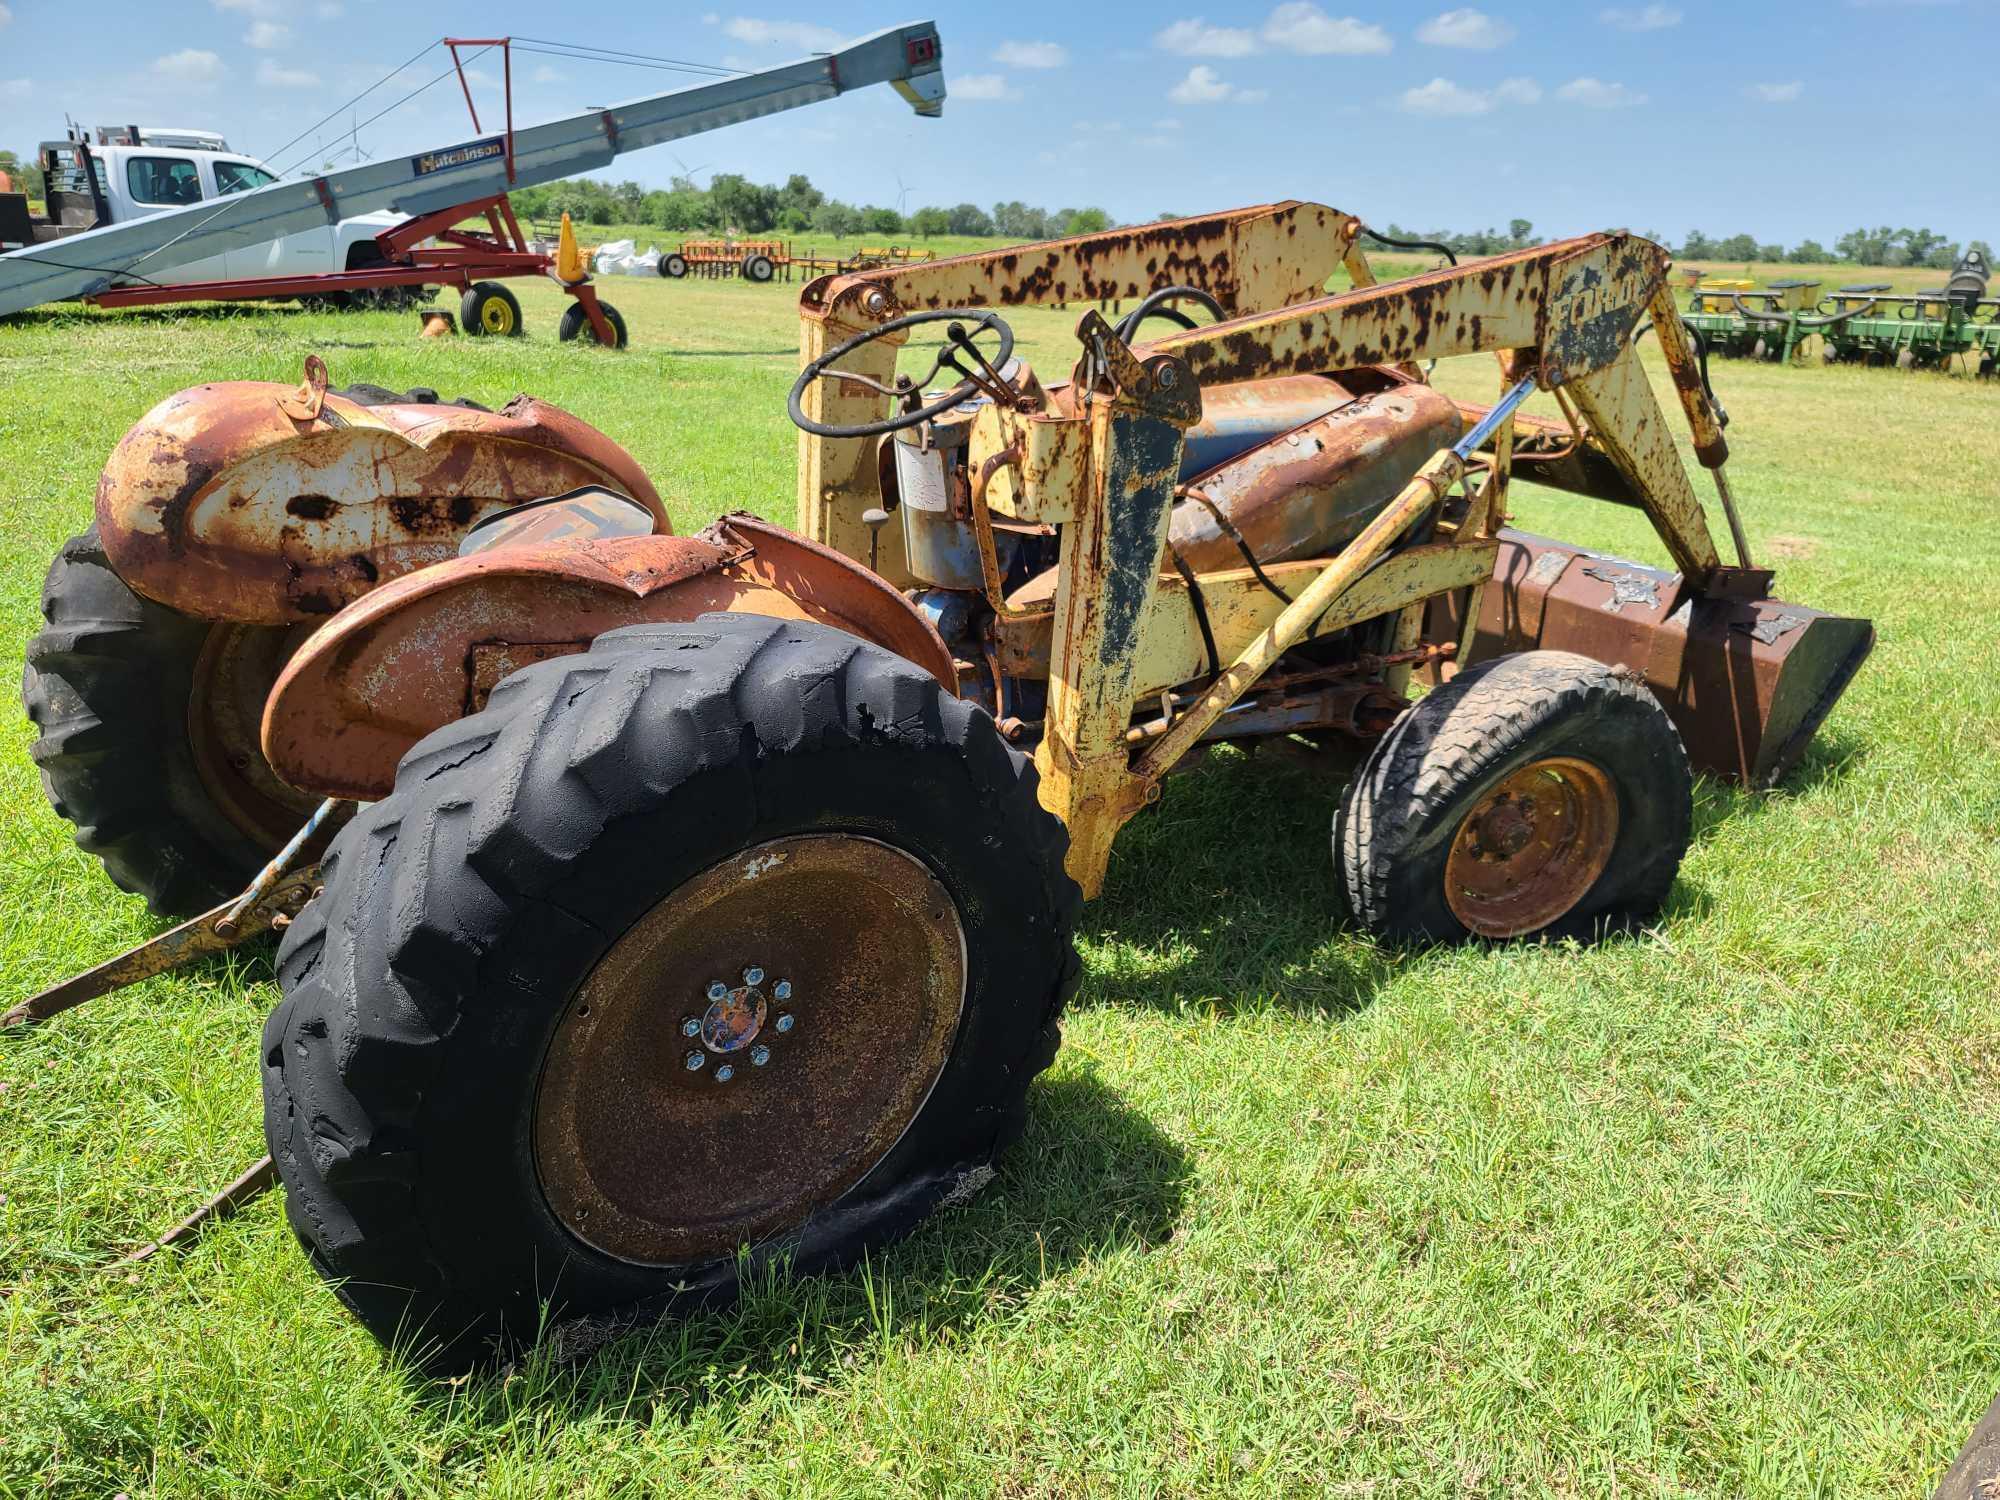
point(1780, 120)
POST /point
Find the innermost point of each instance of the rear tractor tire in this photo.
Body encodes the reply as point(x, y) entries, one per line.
point(147, 735)
point(575, 325)
point(742, 932)
point(488, 309)
point(1539, 795)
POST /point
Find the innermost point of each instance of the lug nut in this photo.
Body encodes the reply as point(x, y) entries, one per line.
point(784, 1023)
point(783, 989)
point(724, 1073)
point(753, 975)
point(759, 1056)
point(695, 1060)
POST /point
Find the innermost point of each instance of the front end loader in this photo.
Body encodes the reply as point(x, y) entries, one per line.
point(707, 901)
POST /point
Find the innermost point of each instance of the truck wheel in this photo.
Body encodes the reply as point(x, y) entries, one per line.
point(576, 324)
point(1539, 795)
point(737, 932)
point(147, 735)
point(758, 268)
point(489, 308)
point(675, 266)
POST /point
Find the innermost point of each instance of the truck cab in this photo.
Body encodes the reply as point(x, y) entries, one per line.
point(131, 172)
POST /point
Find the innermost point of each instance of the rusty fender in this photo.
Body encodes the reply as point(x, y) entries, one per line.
point(428, 648)
point(220, 505)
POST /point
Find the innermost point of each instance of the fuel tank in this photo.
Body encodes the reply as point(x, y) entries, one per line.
point(1306, 491)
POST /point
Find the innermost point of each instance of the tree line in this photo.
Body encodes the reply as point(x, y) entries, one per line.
point(732, 203)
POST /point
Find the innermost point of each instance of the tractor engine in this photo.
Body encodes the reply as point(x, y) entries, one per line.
point(1276, 470)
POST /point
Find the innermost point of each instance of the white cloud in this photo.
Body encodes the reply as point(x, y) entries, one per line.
point(15, 88)
point(190, 68)
point(1442, 97)
point(1597, 94)
point(6, 16)
point(1303, 27)
point(1196, 38)
point(248, 7)
point(1472, 29)
point(546, 74)
point(803, 35)
point(267, 36)
point(1031, 54)
point(981, 86)
point(1776, 93)
point(1643, 18)
point(1203, 85)
point(272, 76)
point(1169, 123)
point(329, 10)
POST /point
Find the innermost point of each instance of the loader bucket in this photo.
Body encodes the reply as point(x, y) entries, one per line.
point(1746, 680)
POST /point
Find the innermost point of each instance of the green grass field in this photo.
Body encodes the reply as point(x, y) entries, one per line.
point(1710, 1211)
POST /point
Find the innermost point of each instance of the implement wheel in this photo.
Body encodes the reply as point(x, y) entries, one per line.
point(735, 933)
point(488, 308)
point(1535, 796)
point(575, 325)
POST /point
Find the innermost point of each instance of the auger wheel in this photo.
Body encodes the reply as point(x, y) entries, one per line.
point(737, 933)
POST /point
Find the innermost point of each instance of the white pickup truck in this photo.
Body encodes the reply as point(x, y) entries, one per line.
point(130, 172)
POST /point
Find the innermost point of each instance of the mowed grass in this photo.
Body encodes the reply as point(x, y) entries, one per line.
point(1709, 1211)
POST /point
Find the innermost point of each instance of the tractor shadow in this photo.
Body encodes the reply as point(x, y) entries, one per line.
point(1091, 1181)
point(1226, 889)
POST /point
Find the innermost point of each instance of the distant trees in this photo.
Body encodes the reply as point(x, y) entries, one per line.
point(1881, 246)
point(732, 203)
point(23, 173)
point(1519, 236)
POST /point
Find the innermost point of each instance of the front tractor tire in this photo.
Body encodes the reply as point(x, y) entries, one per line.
point(147, 735)
point(1540, 795)
point(742, 932)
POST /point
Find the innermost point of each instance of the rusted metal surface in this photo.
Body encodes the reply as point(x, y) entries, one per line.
point(1263, 256)
point(193, 939)
point(1105, 584)
point(220, 504)
point(1548, 452)
point(1235, 418)
point(1306, 492)
point(1746, 680)
point(248, 1187)
point(748, 1051)
point(1266, 256)
point(423, 650)
point(324, 818)
point(1533, 847)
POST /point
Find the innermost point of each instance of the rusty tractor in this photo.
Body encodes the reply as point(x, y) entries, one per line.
point(712, 892)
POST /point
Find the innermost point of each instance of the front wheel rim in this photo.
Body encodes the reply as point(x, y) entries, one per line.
point(496, 316)
point(750, 1049)
point(1532, 847)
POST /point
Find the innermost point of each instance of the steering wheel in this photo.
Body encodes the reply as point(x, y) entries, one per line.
point(982, 376)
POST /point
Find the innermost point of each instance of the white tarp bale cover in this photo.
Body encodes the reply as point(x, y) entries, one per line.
point(647, 264)
point(609, 255)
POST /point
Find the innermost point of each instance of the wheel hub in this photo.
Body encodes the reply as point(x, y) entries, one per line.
point(750, 1049)
point(233, 677)
point(1532, 847)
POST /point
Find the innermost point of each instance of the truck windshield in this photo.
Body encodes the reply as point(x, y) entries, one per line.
point(239, 177)
point(163, 180)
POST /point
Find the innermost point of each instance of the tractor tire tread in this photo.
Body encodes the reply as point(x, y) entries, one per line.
point(489, 816)
point(99, 684)
point(1485, 718)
